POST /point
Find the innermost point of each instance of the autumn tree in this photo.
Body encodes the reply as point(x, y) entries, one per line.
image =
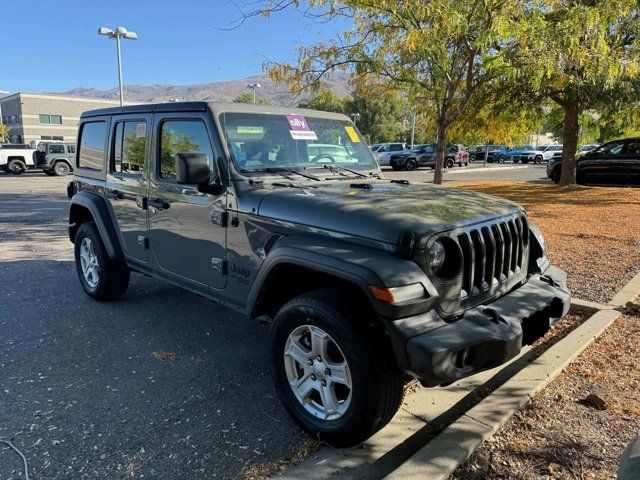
point(4, 132)
point(581, 54)
point(440, 52)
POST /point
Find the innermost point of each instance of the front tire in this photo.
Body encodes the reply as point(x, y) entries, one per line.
point(411, 165)
point(449, 163)
point(538, 159)
point(16, 167)
point(101, 277)
point(334, 375)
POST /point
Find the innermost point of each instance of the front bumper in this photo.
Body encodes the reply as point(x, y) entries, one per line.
point(438, 352)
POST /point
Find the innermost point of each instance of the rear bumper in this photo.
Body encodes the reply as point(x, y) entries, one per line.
point(437, 352)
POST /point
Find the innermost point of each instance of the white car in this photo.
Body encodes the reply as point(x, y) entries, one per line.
point(549, 150)
point(383, 151)
point(16, 158)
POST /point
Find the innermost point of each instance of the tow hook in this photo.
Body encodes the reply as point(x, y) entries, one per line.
point(494, 316)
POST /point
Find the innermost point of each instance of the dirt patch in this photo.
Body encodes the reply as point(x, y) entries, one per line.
point(593, 232)
point(164, 356)
point(264, 470)
point(579, 425)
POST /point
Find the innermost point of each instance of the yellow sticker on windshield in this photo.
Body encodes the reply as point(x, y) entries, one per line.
point(353, 135)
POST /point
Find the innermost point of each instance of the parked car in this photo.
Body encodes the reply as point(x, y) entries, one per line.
point(365, 281)
point(525, 154)
point(496, 153)
point(550, 151)
point(16, 158)
point(55, 158)
point(616, 162)
point(588, 148)
point(425, 156)
point(384, 151)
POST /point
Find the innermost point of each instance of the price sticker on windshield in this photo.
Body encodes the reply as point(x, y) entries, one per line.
point(299, 128)
point(353, 135)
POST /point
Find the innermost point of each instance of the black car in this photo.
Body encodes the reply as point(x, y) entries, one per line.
point(497, 153)
point(616, 162)
point(425, 156)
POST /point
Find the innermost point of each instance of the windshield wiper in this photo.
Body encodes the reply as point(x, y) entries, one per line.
point(335, 168)
point(279, 170)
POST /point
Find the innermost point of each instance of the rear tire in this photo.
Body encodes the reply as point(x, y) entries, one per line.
point(108, 278)
point(501, 159)
point(61, 169)
point(538, 159)
point(449, 163)
point(555, 176)
point(16, 167)
point(376, 382)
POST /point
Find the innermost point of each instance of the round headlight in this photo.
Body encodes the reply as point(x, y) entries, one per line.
point(436, 256)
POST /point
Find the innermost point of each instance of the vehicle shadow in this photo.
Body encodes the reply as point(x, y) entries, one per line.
point(161, 380)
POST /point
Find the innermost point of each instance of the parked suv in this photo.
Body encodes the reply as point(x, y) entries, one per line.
point(366, 281)
point(425, 156)
point(495, 154)
point(384, 151)
point(55, 158)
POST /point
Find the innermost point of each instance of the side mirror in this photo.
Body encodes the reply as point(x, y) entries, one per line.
point(193, 169)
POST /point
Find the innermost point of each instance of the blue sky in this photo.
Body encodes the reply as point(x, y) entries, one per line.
point(54, 46)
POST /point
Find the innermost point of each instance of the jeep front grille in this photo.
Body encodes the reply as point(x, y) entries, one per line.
point(492, 254)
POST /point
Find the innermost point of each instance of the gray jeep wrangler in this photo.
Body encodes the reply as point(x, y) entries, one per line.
point(55, 158)
point(367, 282)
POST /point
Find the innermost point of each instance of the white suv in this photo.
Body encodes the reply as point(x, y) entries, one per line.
point(383, 151)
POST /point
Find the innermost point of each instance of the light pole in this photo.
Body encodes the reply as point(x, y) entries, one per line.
point(253, 87)
point(413, 128)
point(116, 35)
point(2, 92)
point(354, 116)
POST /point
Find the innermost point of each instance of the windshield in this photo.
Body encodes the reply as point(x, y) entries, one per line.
point(259, 141)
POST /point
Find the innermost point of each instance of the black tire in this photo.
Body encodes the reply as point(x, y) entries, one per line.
point(16, 166)
point(411, 165)
point(449, 163)
point(61, 169)
point(377, 382)
point(537, 159)
point(555, 175)
point(525, 161)
point(113, 278)
point(49, 173)
point(501, 159)
point(516, 160)
point(472, 158)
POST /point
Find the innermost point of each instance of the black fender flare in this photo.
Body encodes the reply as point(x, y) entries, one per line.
point(97, 207)
point(360, 265)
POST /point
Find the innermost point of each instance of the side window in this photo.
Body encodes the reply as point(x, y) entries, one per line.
point(396, 147)
point(71, 149)
point(429, 149)
point(129, 148)
point(181, 136)
point(92, 137)
point(56, 148)
point(633, 148)
point(611, 149)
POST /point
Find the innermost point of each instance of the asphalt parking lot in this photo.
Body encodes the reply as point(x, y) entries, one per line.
point(160, 384)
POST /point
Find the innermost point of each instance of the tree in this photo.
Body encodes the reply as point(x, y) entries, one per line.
point(247, 97)
point(440, 52)
point(4, 132)
point(581, 54)
point(327, 101)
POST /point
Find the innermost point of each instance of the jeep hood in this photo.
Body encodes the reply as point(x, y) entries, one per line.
point(382, 212)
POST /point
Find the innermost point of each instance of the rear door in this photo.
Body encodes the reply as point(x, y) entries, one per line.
point(128, 181)
point(187, 231)
point(630, 161)
point(603, 164)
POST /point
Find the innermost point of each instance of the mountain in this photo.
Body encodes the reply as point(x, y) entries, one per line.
point(215, 92)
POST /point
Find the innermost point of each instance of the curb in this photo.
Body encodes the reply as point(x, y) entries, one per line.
point(628, 293)
point(485, 169)
point(442, 455)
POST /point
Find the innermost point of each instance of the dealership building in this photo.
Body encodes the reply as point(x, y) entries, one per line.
point(35, 116)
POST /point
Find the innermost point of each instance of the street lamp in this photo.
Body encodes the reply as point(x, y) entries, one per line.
point(116, 35)
point(253, 87)
point(2, 92)
point(355, 116)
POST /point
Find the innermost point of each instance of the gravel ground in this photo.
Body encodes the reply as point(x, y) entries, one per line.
point(560, 434)
point(593, 232)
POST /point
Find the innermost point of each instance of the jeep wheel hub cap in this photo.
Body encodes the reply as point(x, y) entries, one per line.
point(89, 263)
point(318, 372)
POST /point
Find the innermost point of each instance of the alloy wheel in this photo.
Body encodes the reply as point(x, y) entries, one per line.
point(89, 263)
point(318, 372)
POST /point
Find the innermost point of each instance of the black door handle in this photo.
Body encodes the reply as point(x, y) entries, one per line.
point(159, 204)
point(115, 194)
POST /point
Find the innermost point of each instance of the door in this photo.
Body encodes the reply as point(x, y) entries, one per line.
point(187, 230)
point(602, 165)
point(427, 156)
point(128, 181)
point(630, 162)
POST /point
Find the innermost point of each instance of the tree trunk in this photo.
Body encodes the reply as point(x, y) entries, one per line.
point(570, 143)
point(442, 134)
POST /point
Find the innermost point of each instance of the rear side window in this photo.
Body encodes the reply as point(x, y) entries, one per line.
point(92, 137)
point(71, 149)
point(181, 136)
point(396, 147)
point(129, 149)
point(56, 148)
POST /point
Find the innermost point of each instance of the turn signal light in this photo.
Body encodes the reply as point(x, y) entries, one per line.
point(381, 293)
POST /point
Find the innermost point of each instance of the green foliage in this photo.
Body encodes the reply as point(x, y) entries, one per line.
point(173, 142)
point(4, 132)
point(247, 97)
point(327, 101)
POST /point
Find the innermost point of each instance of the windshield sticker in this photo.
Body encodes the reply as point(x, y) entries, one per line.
point(299, 128)
point(353, 135)
point(250, 130)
